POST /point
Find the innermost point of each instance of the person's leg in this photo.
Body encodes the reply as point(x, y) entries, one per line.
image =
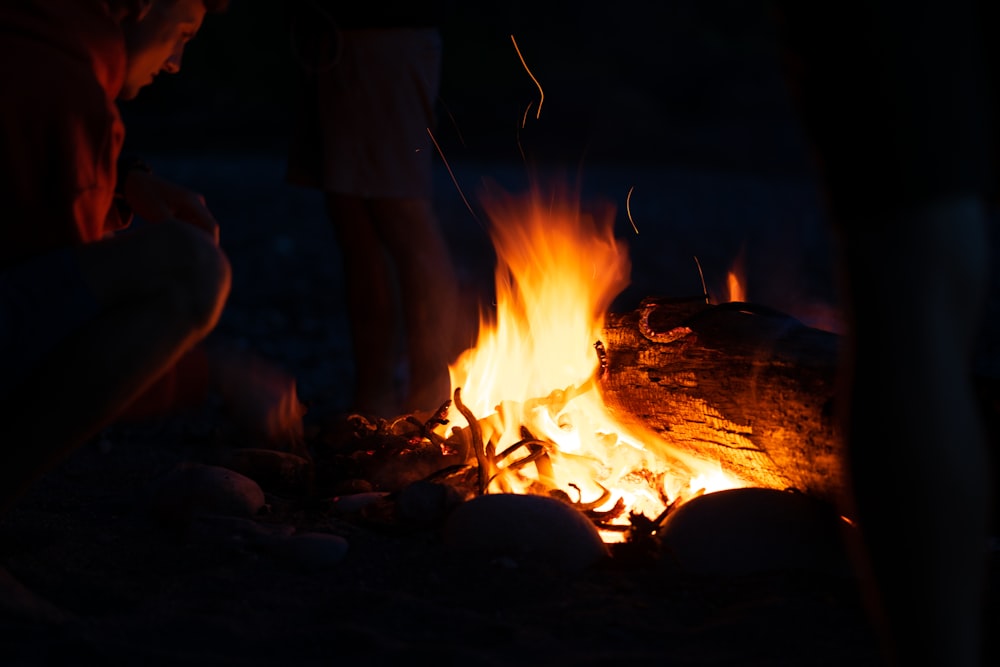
point(419, 250)
point(917, 455)
point(894, 98)
point(371, 304)
point(160, 290)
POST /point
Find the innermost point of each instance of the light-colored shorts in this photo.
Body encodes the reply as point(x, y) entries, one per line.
point(42, 302)
point(364, 125)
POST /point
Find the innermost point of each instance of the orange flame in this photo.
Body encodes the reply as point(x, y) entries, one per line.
point(533, 369)
point(736, 279)
point(734, 285)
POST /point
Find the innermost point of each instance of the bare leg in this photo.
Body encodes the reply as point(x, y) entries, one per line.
point(371, 304)
point(917, 451)
point(411, 232)
point(161, 290)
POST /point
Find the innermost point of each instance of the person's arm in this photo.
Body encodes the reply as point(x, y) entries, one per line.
point(156, 199)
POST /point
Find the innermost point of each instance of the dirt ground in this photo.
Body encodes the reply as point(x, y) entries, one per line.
point(112, 585)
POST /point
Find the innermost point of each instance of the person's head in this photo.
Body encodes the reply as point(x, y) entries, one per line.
point(156, 32)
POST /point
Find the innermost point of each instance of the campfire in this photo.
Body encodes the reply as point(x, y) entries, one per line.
point(529, 393)
point(626, 417)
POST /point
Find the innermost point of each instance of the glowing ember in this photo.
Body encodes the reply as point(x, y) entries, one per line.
point(531, 382)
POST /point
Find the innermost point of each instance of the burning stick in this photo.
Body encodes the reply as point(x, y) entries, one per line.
point(535, 446)
point(538, 452)
point(426, 428)
point(477, 441)
point(601, 518)
point(586, 507)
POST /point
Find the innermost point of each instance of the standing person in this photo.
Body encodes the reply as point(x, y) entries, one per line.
point(897, 99)
point(100, 322)
point(371, 74)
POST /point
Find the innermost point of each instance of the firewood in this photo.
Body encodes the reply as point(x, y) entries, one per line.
point(737, 383)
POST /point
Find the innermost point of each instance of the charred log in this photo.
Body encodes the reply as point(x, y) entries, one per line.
point(738, 383)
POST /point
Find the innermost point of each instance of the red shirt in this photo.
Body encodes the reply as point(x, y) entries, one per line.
point(62, 64)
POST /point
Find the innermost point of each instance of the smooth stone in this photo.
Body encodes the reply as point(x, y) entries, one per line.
point(192, 489)
point(526, 526)
point(355, 502)
point(272, 469)
point(755, 530)
point(310, 552)
point(239, 529)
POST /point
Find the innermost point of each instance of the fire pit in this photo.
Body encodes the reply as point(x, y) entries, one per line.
point(623, 417)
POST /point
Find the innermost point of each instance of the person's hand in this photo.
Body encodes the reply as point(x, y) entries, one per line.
point(260, 397)
point(156, 199)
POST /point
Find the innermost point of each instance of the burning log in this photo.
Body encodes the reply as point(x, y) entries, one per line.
point(739, 383)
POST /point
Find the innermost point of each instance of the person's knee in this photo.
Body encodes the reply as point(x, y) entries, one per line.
point(202, 276)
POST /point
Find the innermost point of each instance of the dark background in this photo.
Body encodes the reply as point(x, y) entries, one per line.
point(687, 81)
point(685, 103)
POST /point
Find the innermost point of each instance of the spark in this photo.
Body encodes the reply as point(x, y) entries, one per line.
point(628, 208)
point(454, 123)
point(538, 113)
point(704, 289)
point(524, 118)
point(453, 179)
point(524, 121)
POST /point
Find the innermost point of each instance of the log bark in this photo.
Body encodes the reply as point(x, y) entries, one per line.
point(736, 383)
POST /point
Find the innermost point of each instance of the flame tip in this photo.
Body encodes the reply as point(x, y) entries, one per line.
point(558, 271)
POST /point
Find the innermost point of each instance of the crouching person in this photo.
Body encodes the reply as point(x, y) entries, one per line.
point(100, 321)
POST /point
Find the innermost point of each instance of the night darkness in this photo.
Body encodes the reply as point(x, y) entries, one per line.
point(643, 85)
point(682, 82)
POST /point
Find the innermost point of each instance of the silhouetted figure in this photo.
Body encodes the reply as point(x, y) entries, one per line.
point(371, 74)
point(896, 97)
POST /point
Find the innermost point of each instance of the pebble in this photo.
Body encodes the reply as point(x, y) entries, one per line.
point(355, 502)
point(309, 552)
point(193, 489)
point(239, 529)
point(274, 470)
